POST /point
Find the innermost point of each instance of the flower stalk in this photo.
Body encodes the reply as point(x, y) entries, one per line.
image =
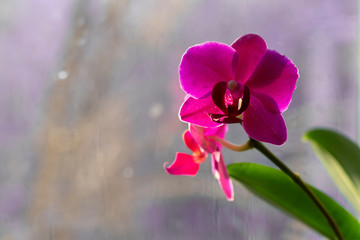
point(297, 179)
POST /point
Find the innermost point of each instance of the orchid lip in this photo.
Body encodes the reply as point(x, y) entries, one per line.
point(240, 95)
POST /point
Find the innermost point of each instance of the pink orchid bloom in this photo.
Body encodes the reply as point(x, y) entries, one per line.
point(198, 140)
point(243, 83)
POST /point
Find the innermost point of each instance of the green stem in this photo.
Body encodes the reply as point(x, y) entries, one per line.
point(296, 178)
point(231, 146)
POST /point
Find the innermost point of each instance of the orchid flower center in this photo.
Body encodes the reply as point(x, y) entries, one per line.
point(232, 98)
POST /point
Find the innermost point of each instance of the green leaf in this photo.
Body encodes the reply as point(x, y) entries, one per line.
point(341, 158)
point(278, 189)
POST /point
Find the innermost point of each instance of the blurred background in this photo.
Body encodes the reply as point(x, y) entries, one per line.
point(89, 97)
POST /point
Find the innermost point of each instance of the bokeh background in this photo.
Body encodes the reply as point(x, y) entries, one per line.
point(89, 97)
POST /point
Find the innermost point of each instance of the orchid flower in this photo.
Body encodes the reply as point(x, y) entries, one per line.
point(243, 83)
point(198, 140)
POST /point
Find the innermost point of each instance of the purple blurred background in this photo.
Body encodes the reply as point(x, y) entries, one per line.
point(89, 99)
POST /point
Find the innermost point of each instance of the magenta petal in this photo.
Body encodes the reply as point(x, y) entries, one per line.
point(217, 131)
point(214, 167)
point(263, 125)
point(250, 48)
point(267, 101)
point(222, 175)
point(204, 65)
point(183, 165)
point(190, 142)
point(201, 134)
point(196, 111)
point(276, 77)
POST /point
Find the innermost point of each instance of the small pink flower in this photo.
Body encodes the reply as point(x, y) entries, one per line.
point(242, 83)
point(198, 140)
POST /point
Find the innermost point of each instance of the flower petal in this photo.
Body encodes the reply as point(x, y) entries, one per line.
point(268, 102)
point(250, 48)
point(222, 175)
point(196, 111)
point(183, 165)
point(276, 77)
point(216, 131)
point(204, 65)
point(190, 142)
point(263, 125)
point(200, 134)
